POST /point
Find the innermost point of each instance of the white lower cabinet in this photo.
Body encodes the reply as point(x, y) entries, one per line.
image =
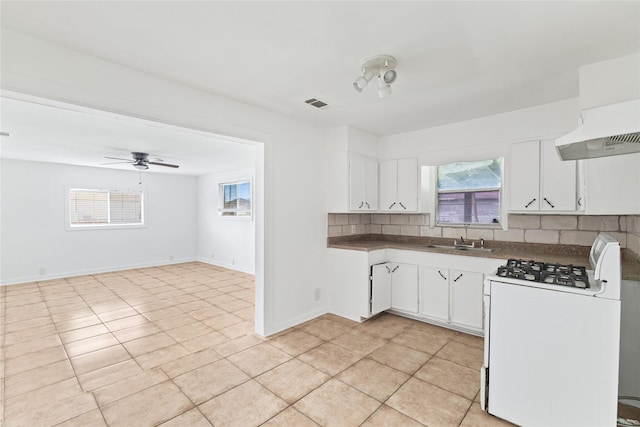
point(404, 287)
point(426, 286)
point(394, 285)
point(380, 288)
point(466, 299)
point(451, 296)
point(434, 292)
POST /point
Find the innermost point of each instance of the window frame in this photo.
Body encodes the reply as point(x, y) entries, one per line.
point(500, 190)
point(107, 226)
point(222, 209)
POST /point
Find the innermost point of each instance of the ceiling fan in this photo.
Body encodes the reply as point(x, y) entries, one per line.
point(141, 161)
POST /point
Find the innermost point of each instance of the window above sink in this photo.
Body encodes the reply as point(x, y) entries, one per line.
point(469, 193)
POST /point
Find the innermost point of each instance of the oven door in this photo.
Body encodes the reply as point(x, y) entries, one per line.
point(552, 357)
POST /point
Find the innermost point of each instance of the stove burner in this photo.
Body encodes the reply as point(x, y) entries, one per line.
point(556, 274)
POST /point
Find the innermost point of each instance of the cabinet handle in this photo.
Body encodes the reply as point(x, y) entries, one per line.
point(403, 207)
point(388, 269)
point(548, 202)
point(441, 275)
point(394, 270)
point(368, 206)
point(392, 205)
point(579, 201)
point(529, 204)
point(361, 204)
point(457, 278)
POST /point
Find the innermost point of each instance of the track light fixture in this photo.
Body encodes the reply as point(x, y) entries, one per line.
point(381, 66)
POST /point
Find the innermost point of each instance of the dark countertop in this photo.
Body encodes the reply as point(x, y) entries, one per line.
point(562, 254)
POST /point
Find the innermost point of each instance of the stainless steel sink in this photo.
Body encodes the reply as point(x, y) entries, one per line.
point(463, 248)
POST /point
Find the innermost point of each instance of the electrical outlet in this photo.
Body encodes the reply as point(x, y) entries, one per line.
point(316, 294)
point(42, 271)
point(233, 262)
point(353, 229)
point(170, 257)
point(213, 255)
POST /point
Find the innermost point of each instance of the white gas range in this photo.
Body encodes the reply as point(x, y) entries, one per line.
point(552, 344)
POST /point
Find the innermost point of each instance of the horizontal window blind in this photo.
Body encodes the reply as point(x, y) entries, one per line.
point(89, 207)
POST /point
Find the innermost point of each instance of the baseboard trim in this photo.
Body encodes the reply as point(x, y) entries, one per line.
point(44, 277)
point(297, 320)
point(239, 268)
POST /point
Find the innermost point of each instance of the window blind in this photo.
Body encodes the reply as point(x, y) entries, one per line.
point(89, 207)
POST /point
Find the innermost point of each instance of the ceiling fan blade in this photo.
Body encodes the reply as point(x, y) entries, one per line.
point(169, 165)
point(118, 158)
point(115, 163)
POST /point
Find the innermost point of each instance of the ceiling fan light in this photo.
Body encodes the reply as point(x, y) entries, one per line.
point(140, 166)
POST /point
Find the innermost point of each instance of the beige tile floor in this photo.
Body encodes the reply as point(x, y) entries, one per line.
point(174, 346)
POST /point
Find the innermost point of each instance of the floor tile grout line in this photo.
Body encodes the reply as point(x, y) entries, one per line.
point(70, 364)
point(350, 329)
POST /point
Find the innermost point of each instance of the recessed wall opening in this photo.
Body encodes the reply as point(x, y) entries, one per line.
point(53, 147)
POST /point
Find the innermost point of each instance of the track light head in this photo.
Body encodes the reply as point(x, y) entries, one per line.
point(388, 76)
point(362, 82)
point(382, 66)
point(384, 89)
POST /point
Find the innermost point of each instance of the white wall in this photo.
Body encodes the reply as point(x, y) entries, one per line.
point(290, 240)
point(224, 241)
point(34, 235)
point(485, 137)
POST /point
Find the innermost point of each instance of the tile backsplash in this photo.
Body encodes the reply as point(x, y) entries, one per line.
point(564, 229)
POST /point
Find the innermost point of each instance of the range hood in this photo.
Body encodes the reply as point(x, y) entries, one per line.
point(605, 131)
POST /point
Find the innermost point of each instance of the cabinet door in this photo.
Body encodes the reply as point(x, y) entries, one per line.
point(466, 298)
point(388, 185)
point(525, 176)
point(404, 287)
point(407, 185)
point(370, 184)
point(380, 290)
point(557, 180)
point(434, 292)
point(356, 182)
point(613, 185)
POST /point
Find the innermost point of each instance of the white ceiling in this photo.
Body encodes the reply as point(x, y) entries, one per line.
point(60, 133)
point(456, 60)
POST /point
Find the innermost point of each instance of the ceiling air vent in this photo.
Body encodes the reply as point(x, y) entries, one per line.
point(315, 102)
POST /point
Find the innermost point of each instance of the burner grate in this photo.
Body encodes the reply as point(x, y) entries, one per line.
point(551, 273)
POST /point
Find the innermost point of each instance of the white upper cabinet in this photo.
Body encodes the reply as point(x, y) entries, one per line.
point(540, 181)
point(399, 185)
point(525, 176)
point(612, 185)
point(363, 183)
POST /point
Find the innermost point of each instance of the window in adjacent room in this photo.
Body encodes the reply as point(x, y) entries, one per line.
point(235, 199)
point(469, 193)
point(105, 208)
